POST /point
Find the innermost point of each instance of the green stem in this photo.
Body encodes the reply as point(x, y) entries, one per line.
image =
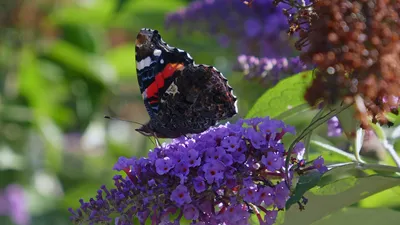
point(379, 167)
point(390, 149)
point(316, 122)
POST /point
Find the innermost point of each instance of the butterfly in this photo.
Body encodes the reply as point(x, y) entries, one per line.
point(180, 96)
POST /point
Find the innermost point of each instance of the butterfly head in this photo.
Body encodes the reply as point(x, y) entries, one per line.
point(145, 130)
point(149, 130)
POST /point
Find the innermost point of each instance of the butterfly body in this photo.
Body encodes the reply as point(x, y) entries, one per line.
point(180, 96)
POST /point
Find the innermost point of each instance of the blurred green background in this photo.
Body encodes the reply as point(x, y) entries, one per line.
point(64, 64)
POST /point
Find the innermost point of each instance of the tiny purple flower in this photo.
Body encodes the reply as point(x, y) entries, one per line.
point(273, 161)
point(270, 217)
point(235, 214)
point(199, 184)
point(164, 165)
point(334, 127)
point(231, 143)
point(249, 194)
point(180, 195)
point(319, 165)
point(213, 171)
point(213, 154)
point(122, 163)
point(299, 150)
point(198, 223)
point(281, 195)
point(256, 138)
point(192, 158)
point(227, 159)
point(265, 195)
point(270, 126)
point(190, 212)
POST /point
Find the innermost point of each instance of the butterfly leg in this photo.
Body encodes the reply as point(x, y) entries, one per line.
point(157, 141)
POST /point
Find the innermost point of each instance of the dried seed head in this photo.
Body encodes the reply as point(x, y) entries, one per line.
point(356, 48)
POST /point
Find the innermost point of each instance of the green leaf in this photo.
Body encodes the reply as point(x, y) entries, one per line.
point(331, 153)
point(122, 58)
point(394, 118)
point(320, 206)
point(293, 111)
point(305, 183)
point(388, 198)
point(120, 5)
point(380, 133)
point(143, 13)
point(99, 13)
point(69, 56)
point(78, 36)
point(39, 80)
point(138, 6)
point(73, 58)
point(287, 94)
point(347, 121)
point(336, 187)
point(362, 216)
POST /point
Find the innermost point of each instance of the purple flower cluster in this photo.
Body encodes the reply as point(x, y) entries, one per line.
point(257, 30)
point(220, 176)
point(269, 70)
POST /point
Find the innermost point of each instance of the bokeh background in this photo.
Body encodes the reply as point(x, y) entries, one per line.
point(64, 64)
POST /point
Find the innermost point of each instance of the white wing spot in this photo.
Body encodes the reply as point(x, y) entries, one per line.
point(144, 95)
point(162, 61)
point(144, 63)
point(157, 52)
point(172, 89)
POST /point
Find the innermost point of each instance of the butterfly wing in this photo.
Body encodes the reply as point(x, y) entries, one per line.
point(180, 96)
point(156, 67)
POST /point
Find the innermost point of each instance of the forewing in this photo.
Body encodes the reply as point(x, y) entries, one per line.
point(157, 64)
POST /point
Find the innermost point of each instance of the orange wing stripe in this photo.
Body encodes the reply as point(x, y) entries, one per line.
point(168, 71)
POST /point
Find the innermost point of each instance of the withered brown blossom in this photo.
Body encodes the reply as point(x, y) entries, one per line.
point(355, 45)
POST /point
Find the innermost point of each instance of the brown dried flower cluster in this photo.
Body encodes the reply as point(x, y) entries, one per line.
point(355, 45)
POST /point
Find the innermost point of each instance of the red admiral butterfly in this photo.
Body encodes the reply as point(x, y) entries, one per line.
point(180, 96)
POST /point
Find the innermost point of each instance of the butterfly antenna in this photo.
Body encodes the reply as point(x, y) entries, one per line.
point(114, 118)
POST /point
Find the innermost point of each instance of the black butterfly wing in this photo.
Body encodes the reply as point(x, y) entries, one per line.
point(180, 96)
